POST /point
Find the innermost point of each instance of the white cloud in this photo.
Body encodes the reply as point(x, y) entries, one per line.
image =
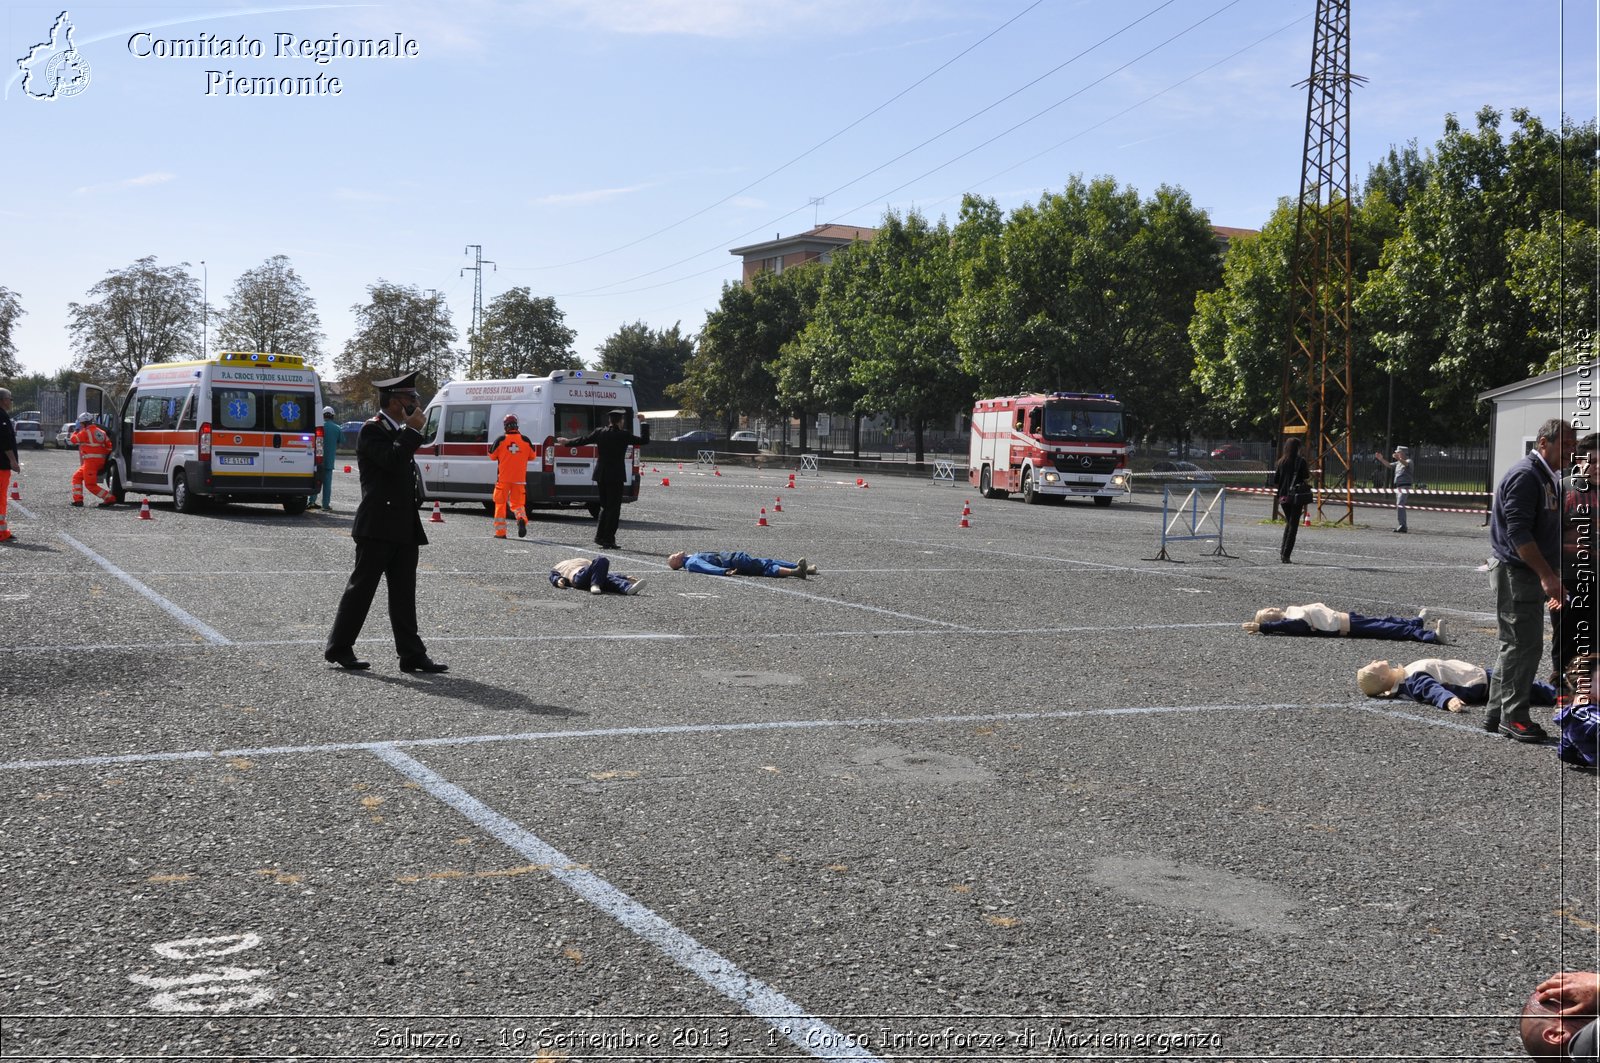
point(158, 177)
point(363, 195)
point(593, 195)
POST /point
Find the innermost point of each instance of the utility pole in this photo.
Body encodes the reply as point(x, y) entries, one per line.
point(205, 311)
point(476, 250)
point(1318, 403)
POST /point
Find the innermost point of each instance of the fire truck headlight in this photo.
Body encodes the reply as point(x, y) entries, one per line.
point(1120, 480)
point(1052, 477)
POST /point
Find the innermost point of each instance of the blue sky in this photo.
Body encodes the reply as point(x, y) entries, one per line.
point(609, 152)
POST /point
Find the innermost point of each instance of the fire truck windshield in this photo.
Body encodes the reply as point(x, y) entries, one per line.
point(1070, 421)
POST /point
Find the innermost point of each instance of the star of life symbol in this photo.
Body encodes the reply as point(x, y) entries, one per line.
point(290, 412)
point(238, 409)
point(54, 69)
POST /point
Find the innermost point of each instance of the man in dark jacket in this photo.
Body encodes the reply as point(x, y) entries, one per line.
point(610, 470)
point(1525, 534)
point(387, 531)
point(10, 464)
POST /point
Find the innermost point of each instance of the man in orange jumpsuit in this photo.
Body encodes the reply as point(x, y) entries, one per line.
point(511, 453)
point(94, 447)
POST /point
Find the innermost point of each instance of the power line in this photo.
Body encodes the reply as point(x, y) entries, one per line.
point(1041, 113)
point(1001, 173)
point(774, 172)
point(1134, 106)
point(722, 245)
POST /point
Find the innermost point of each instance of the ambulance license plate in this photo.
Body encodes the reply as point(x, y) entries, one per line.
point(236, 459)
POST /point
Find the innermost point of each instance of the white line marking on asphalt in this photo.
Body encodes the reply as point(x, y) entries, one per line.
point(786, 1017)
point(647, 732)
point(645, 636)
point(206, 631)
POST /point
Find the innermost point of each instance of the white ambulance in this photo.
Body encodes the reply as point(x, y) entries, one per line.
point(465, 416)
point(241, 427)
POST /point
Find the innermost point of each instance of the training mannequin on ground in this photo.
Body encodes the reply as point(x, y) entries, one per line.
point(1319, 619)
point(1446, 684)
point(1558, 1020)
point(739, 563)
point(594, 576)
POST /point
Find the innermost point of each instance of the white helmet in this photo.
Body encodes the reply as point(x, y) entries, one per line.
point(85, 418)
point(327, 411)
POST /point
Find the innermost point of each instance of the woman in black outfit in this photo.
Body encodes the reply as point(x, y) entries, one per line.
point(1291, 479)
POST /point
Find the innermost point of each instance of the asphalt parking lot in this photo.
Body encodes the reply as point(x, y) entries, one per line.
point(1006, 791)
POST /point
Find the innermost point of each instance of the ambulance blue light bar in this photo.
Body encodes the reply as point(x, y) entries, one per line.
point(1080, 395)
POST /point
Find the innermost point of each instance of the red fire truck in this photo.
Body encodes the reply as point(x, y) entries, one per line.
point(1066, 444)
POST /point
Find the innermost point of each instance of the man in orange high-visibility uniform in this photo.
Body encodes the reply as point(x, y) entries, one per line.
point(511, 453)
point(94, 447)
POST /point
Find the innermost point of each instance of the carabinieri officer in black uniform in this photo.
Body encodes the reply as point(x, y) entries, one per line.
point(610, 470)
point(387, 531)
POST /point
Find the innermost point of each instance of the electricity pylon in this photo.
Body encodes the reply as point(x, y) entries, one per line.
point(1318, 402)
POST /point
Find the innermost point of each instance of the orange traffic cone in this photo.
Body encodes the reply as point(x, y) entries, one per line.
point(144, 510)
point(777, 504)
point(860, 482)
point(347, 468)
point(16, 488)
point(762, 523)
point(437, 518)
point(666, 481)
point(966, 508)
point(715, 471)
point(1308, 517)
point(965, 523)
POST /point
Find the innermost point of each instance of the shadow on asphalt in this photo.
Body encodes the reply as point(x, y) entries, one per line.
point(484, 695)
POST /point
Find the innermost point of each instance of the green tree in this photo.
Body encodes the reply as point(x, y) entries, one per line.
point(655, 358)
point(732, 373)
point(1553, 274)
point(10, 310)
point(1090, 289)
point(398, 329)
point(905, 358)
point(522, 333)
point(815, 369)
point(271, 309)
point(1443, 307)
point(138, 315)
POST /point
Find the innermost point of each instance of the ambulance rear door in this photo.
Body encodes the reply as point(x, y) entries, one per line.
point(263, 431)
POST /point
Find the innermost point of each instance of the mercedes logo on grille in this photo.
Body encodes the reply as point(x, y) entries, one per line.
point(1086, 461)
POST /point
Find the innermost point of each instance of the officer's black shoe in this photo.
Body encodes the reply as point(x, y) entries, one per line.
point(422, 664)
point(522, 528)
point(345, 659)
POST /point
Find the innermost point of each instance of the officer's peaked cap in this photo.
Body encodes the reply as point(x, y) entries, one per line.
point(399, 383)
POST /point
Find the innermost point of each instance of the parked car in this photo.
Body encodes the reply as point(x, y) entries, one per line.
point(699, 435)
point(1230, 451)
point(748, 437)
point(64, 436)
point(1184, 470)
point(29, 434)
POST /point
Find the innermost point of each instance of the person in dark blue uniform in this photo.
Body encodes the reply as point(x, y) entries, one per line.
point(387, 531)
point(610, 470)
